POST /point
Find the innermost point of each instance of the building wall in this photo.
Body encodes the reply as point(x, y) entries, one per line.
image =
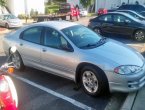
point(113, 3)
point(74, 2)
point(107, 4)
point(24, 6)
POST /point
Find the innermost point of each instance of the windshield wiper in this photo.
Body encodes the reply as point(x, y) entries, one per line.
point(89, 45)
point(97, 44)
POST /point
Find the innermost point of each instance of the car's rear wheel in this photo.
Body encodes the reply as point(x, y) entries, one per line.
point(17, 61)
point(139, 35)
point(98, 30)
point(93, 81)
point(7, 25)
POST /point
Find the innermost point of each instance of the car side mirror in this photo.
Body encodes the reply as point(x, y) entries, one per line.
point(66, 48)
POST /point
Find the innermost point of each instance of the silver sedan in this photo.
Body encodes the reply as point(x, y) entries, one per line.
point(75, 52)
point(10, 21)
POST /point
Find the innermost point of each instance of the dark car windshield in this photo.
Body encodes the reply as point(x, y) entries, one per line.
point(83, 37)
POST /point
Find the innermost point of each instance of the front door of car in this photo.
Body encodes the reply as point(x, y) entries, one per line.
point(106, 23)
point(29, 46)
point(57, 55)
point(122, 25)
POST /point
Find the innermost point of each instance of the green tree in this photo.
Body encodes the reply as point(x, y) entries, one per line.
point(87, 3)
point(3, 2)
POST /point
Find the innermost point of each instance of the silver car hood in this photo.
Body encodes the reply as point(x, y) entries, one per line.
point(117, 52)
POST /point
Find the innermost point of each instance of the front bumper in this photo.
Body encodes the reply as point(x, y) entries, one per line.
point(127, 83)
point(11, 25)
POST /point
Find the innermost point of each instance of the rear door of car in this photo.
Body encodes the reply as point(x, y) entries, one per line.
point(29, 45)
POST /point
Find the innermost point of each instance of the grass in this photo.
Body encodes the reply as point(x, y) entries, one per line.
point(49, 9)
point(92, 14)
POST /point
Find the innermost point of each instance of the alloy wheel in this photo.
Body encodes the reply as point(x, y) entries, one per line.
point(97, 30)
point(16, 61)
point(139, 36)
point(90, 82)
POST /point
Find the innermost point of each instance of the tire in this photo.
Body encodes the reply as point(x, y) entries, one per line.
point(7, 25)
point(17, 60)
point(98, 30)
point(94, 81)
point(139, 35)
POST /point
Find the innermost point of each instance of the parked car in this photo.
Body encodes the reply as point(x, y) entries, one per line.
point(9, 21)
point(75, 52)
point(133, 13)
point(83, 12)
point(119, 23)
point(137, 8)
point(102, 11)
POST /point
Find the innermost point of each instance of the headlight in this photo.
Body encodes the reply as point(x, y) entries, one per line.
point(127, 69)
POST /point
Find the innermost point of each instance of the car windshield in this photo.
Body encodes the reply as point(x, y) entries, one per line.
point(83, 37)
point(9, 17)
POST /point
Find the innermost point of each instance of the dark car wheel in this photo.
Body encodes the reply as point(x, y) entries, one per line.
point(17, 61)
point(7, 25)
point(98, 30)
point(93, 81)
point(139, 35)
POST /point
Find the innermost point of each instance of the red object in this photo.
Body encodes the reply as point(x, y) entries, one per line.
point(6, 98)
point(102, 11)
point(70, 9)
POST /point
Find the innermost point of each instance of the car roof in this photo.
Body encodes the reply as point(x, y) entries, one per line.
point(125, 14)
point(126, 10)
point(59, 25)
point(122, 13)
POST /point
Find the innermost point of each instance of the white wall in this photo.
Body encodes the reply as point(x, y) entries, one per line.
point(74, 2)
point(24, 6)
point(107, 4)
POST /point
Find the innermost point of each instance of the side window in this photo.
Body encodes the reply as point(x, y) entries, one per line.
point(120, 19)
point(106, 18)
point(33, 35)
point(54, 39)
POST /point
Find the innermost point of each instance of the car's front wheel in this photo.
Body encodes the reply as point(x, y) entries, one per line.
point(7, 25)
point(93, 81)
point(98, 30)
point(17, 61)
point(139, 35)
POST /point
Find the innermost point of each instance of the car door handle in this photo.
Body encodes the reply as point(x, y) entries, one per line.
point(21, 44)
point(44, 50)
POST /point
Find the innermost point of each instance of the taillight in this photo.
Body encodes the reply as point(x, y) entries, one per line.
point(4, 87)
point(8, 92)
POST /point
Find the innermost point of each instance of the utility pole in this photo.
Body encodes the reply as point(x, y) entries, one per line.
point(128, 1)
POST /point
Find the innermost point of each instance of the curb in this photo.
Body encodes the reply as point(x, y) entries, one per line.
point(129, 101)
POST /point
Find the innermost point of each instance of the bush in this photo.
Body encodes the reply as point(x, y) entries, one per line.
point(50, 9)
point(22, 16)
point(33, 13)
